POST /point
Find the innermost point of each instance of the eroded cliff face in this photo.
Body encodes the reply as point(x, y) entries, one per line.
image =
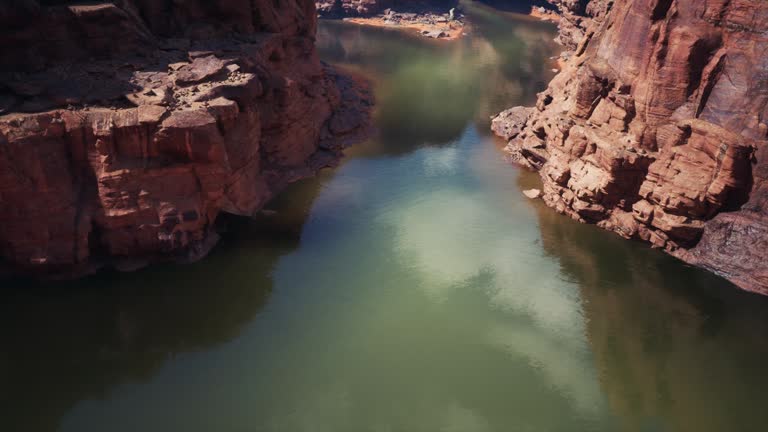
point(656, 128)
point(133, 124)
point(575, 18)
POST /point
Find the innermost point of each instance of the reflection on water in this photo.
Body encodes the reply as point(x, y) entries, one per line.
point(676, 348)
point(430, 91)
point(412, 289)
point(79, 340)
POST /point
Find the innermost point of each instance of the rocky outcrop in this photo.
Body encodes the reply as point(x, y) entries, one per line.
point(133, 124)
point(576, 16)
point(656, 129)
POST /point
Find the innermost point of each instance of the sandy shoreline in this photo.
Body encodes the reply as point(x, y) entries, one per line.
point(446, 31)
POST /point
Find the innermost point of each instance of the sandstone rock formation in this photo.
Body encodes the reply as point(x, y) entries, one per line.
point(576, 16)
point(130, 126)
point(657, 128)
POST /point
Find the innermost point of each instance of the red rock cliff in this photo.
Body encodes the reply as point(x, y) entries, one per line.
point(128, 126)
point(657, 128)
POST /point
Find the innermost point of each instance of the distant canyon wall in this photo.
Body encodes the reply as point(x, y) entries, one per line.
point(657, 128)
point(342, 8)
point(127, 127)
point(352, 7)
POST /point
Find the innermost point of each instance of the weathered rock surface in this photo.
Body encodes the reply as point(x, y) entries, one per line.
point(657, 128)
point(575, 18)
point(133, 124)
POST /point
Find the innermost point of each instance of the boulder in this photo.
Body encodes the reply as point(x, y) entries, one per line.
point(532, 193)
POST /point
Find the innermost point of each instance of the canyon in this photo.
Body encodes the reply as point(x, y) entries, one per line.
point(132, 125)
point(655, 128)
point(413, 287)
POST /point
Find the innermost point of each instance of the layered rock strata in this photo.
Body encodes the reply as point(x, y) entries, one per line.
point(657, 129)
point(133, 124)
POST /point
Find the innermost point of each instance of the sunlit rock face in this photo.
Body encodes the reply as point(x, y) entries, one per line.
point(655, 128)
point(130, 126)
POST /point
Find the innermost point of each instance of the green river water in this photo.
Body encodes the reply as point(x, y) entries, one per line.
point(411, 289)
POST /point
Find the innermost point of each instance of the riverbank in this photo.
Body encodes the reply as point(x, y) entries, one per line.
point(448, 26)
point(652, 165)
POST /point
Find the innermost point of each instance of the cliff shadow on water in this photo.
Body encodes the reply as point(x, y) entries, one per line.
point(69, 342)
point(668, 340)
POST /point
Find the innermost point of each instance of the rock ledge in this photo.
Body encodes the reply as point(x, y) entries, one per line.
point(656, 128)
point(134, 125)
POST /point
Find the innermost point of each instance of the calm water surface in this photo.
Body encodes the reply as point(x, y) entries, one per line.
point(412, 289)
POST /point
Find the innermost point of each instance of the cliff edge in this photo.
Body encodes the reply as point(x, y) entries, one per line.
point(657, 128)
point(128, 126)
